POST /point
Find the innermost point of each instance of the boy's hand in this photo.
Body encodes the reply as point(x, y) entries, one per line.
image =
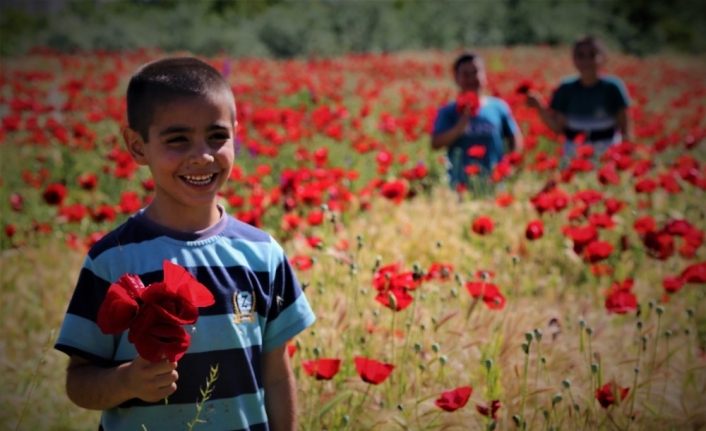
point(151, 381)
point(534, 100)
point(463, 120)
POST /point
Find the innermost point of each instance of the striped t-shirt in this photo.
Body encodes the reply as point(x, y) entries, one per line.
point(590, 110)
point(259, 306)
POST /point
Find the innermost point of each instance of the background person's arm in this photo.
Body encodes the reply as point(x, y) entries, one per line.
point(515, 141)
point(444, 139)
point(623, 123)
point(554, 120)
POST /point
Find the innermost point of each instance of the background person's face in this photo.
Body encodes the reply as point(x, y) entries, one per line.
point(470, 76)
point(588, 59)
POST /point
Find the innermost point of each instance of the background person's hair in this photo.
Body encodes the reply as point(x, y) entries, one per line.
point(464, 58)
point(591, 41)
point(163, 81)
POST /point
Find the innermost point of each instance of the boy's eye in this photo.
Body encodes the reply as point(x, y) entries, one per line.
point(177, 140)
point(219, 137)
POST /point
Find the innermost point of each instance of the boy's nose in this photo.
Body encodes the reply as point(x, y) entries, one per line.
point(202, 154)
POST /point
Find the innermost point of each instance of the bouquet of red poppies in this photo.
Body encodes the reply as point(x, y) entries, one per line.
point(155, 314)
point(468, 100)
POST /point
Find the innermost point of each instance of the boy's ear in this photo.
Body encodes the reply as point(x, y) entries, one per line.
point(135, 145)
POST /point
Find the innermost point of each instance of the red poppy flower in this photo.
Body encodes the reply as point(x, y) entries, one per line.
point(672, 284)
point(606, 394)
point(394, 190)
point(482, 225)
point(439, 271)
point(314, 241)
point(695, 273)
point(646, 185)
point(291, 349)
point(103, 213)
point(468, 100)
point(534, 230)
point(302, 262)
point(73, 213)
point(472, 170)
point(120, 305)
point(601, 220)
point(504, 199)
point(16, 202)
point(315, 217)
point(489, 292)
point(54, 194)
point(155, 339)
point(129, 202)
point(491, 411)
point(372, 371)
point(659, 244)
point(10, 230)
point(597, 251)
point(620, 298)
point(322, 368)
point(88, 181)
point(154, 314)
point(608, 175)
point(476, 151)
point(454, 399)
point(581, 236)
point(382, 277)
point(645, 225)
point(395, 299)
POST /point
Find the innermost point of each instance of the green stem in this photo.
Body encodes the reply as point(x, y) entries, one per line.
point(524, 384)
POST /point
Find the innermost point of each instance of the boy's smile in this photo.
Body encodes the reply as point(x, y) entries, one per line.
point(190, 154)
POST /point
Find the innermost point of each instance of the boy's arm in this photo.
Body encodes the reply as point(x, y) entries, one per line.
point(98, 388)
point(444, 139)
point(515, 141)
point(280, 390)
point(623, 123)
point(553, 119)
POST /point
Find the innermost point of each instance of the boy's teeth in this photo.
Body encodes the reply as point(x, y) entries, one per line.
point(199, 179)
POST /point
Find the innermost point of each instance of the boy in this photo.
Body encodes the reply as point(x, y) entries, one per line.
point(589, 104)
point(492, 127)
point(181, 124)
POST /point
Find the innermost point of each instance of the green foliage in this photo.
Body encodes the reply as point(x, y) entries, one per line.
point(289, 28)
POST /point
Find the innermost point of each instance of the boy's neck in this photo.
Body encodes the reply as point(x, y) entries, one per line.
point(588, 80)
point(184, 221)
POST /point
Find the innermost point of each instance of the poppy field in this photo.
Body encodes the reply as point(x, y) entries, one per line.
point(546, 296)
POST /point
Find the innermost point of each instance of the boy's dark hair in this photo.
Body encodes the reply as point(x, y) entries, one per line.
point(589, 40)
point(163, 81)
point(465, 58)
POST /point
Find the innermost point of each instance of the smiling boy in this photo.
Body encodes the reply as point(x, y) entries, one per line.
point(181, 125)
point(590, 104)
point(492, 127)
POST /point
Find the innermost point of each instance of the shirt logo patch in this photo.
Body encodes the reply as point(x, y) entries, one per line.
point(244, 307)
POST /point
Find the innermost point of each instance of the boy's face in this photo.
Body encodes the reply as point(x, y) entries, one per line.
point(470, 76)
point(588, 59)
point(190, 152)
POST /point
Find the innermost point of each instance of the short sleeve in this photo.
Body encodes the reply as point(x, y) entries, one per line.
point(289, 312)
point(559, 101)
point(445, 119)
point(79, 334)
point(620, 95)
point(509, 125)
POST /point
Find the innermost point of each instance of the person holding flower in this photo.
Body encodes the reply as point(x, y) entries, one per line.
point(589, 107)
point(475, 129)
point(220, 293)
